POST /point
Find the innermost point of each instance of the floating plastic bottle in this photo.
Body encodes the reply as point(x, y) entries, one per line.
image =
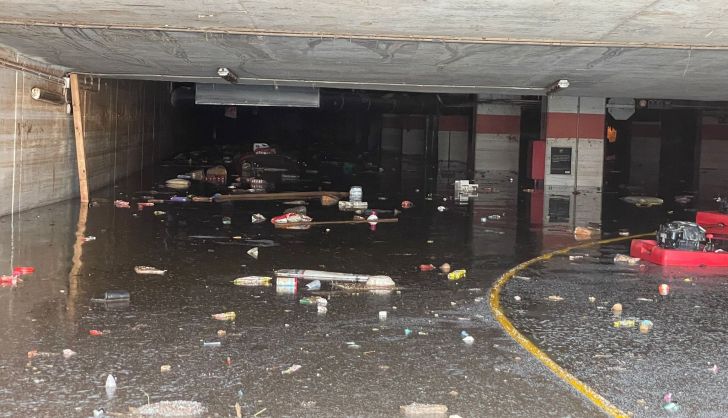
point(253, 281)
point(225, 316)
point(457, 274)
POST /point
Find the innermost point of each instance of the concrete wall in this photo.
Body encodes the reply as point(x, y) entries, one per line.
point(497, 136)
point(452, 138)
point(128, 126)
point(713, 167)
point(37, 154)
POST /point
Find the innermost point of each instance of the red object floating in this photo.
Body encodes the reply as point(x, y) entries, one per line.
point(406, 204)
point(426, 267)
point(648, 250)
point(96, 333)
point(17, 271)
point(664, 289)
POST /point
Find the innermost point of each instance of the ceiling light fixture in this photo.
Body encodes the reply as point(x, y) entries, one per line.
point(557, 85)
point(227, 75)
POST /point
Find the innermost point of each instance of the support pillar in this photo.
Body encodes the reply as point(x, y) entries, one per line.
point(574, 142)
point(574, 169)
point(497, 134)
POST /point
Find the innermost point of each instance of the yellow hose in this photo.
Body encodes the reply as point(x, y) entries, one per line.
point(597, 399)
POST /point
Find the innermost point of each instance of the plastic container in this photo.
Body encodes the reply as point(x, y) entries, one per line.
point(355, 194)
point(456, 275)
point(253, 281)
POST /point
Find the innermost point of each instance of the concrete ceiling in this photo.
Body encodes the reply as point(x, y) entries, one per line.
point(637, 48)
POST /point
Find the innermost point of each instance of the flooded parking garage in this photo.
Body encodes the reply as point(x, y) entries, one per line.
point(183, 140)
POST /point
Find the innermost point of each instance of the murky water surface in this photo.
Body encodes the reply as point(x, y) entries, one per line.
point(169, 317)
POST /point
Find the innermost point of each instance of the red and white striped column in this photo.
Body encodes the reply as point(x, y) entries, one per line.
point(575, 131)
point(497, 134)
point(452, 139)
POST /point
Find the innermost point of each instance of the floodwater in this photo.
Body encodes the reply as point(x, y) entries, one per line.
point(352, 364)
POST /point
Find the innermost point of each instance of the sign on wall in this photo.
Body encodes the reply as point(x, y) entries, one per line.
point(560, 160)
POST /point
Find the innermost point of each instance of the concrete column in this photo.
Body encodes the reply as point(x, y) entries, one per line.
point(574, 142)
point(497, 135)
point(713, 149)
point(452, 139)
point(644, 155)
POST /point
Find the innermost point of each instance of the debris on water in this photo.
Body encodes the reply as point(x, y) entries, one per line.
point(407, 332)
point(645, 326)
point(89, 238)
point(225, 316)
point(457, 274)
point(426, 267)
point(95, 333)
point(575, 257)
point(221, 333)
point(321, 309)
point(625, 259)
point(352, 345)
point(294, 368)
point(467, 338)
point(211, 343)
point(314, 300)
point(68, 353)
point(671, 407)
point(314, 285)
point(257, 218)
point(483, 219)
point(623, 233)
point(226, 220)
point(441, 208)
point(121, 204)
point(406, 204)
point(581, 233)
point(617, 308)
point(555, 298)
point(149, 270)
point(165, 368)
point(445, 268)
point(517, 298)
point(178, 184)
point(159, 213)
point(667, 397)
point(382, 315)
point(253, 252)
point(664, 289)
point(110, 385)
point(592, 299)
point(714, 369)
point(253, 281)
point(164, 409)
point(625, 323)
point(423, 409)
point(645, 300)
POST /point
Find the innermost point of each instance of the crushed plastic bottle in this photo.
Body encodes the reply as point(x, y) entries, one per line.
point(457, 274)
point(467, 338)
point(225, 316)
point(314, 300)
point(253, 281)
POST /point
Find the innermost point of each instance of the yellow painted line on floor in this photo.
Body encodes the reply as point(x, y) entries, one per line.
point(597, 399)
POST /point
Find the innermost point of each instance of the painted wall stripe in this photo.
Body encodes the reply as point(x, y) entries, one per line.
point(565, 125)
point(498, 124)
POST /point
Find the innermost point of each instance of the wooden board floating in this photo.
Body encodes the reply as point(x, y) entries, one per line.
point(330, 197)
point(358, 221)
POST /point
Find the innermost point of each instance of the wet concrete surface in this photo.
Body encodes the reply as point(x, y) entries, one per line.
point(684, 354)
point(168, 318)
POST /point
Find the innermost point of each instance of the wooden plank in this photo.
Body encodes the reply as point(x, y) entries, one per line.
point(279, 196)
point(351, 222)
point(80, 139)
